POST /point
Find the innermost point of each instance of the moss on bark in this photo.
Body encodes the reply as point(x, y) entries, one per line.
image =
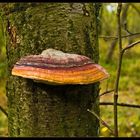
point(37, 109)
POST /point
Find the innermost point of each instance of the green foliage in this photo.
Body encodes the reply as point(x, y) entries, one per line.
point(3, 72)
point(2, 50)
point(3, 125)
point(133, 18)
point(129, 91)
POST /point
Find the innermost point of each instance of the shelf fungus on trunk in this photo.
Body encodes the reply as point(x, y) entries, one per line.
point(56, 67)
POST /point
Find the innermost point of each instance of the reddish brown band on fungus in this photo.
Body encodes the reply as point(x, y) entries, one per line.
point(60, 69)
point(36, 60)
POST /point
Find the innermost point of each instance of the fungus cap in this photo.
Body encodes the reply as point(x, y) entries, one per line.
point(56, 67)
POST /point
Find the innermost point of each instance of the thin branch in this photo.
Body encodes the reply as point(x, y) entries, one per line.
point(108, 37)
point(3, 111)
point(118, 71)
point(120, 104)
point(137, 10)
point(130, 46)
point(115, 37)
point(126, 29)
point(102, 122)
point(106, 92)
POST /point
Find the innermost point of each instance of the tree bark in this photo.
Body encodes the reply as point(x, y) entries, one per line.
point(37, 109)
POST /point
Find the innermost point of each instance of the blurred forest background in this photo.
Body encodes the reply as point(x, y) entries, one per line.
point(129, 86)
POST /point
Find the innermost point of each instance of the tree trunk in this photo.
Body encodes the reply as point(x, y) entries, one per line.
point(112, 46)
point(37, 109)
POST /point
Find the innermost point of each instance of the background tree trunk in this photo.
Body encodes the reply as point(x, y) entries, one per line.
point(37, 109)
point(114, 42)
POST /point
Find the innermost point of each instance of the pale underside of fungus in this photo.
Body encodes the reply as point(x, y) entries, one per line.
point(56, 67)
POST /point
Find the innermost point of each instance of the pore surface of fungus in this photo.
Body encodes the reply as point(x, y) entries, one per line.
point(56, 67)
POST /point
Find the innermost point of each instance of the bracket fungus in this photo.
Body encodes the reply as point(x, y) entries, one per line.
point(56, 67)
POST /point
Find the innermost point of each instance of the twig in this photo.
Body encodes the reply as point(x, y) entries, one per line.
point(121, 52)
point(106, 92)
point(108, 37)
point(102, 122)
point(137, 10)
point(115, 37)
point(126, 29)
point(118, 71)
point(120, 104)
point(3, 110)
point(130, 46)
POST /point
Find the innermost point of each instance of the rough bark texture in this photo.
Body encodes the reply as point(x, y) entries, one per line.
point(37, 109)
